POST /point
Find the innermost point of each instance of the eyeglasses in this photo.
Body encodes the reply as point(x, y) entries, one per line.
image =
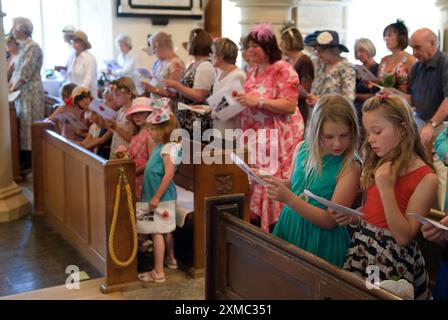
point(84, 95)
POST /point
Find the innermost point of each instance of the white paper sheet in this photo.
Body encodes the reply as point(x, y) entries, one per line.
point(333, 206)
point(100, 107)
point(364, 73)
point(240, 163)
point(112, 65)
point(72, 120)
point(424, 220)
point(13, 96)
point(392, 91)
point(199, 108)
point(224, 103)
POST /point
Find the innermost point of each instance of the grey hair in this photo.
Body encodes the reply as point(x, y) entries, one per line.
point(24, 25)
point(124, 39)
point(367, 45)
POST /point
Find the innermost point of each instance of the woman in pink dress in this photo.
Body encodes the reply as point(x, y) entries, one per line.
point(270, 98)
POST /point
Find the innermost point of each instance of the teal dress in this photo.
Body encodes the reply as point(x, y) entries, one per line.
point(330, 245)
point(154, 172)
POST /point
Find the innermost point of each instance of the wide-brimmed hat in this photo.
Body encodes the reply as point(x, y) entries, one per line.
point(78, 91)
point(141, 104)
point(79, 35)
point(325, 38)
point(161, 111)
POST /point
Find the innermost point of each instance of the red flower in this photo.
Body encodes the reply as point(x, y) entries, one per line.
point(165, 214)
point(234, 93)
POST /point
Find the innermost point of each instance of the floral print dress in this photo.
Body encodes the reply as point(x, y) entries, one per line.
point(138, 151)
point(340, 80)
point(274, 150)
point(398, 77)
point(30, 103)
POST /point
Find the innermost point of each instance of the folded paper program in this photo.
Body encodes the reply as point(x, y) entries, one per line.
point(333, 206)
point(243, 166)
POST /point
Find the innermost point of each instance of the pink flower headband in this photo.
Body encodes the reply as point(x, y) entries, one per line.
point(383, 95)
point(262, 31)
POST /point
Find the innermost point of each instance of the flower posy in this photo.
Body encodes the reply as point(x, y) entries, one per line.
point(263, 31)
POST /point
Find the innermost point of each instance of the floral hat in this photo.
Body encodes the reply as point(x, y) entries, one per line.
point(140, 104)
point(325, 38)
point(161, 111)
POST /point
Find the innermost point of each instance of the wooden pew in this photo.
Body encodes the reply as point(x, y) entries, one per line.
point(205, 181)
point(75, 189)
point(243, 262)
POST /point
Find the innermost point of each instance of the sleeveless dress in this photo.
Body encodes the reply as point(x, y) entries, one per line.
point(397, 78)
point(374, 245)
point(330, 245)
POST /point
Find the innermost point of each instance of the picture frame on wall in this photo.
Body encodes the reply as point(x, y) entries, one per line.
point(193, 9)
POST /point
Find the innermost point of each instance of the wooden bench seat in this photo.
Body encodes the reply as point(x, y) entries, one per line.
point(246, 263)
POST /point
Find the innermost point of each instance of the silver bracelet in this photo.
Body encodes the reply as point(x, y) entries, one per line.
point(356, 225)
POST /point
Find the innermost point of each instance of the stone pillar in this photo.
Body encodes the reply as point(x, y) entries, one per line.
point(275, 12)
point(312, 15)
point(13, 203)
point(443, 5)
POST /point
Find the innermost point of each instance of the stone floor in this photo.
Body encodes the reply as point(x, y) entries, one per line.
point(35, 257)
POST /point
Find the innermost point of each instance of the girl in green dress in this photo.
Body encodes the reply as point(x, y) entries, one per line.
point(326, 165)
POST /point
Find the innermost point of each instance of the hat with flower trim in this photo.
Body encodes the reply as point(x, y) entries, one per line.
point(325, 38)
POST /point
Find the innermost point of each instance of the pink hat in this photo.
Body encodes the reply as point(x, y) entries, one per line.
point(141, 104)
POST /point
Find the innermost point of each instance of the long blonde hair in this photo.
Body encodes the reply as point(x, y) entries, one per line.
point(397, 111)
point(336, 109)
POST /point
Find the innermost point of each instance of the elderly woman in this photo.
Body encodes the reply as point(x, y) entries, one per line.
point(129, 58)
point(365, 51)
point(197, 81)
point(81, 66)
point(270, 98)
point(394, 69)
point(334, 74)
point(26, 78)
point(168, 66)
point(292, 46)
point(224, 54)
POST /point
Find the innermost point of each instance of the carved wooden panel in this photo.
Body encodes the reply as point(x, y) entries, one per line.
point(224, 184)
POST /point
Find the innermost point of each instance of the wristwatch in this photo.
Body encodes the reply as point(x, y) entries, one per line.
point(432, 123)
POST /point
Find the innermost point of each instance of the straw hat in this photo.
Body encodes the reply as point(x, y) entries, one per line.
point(79, 35)
point(79, 91)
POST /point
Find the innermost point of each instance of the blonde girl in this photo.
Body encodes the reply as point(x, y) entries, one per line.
point(160, 192)
point(325, 165)
point(398, 179)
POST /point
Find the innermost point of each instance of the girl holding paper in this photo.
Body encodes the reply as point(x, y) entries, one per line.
point(325, 165)
point(398, 178)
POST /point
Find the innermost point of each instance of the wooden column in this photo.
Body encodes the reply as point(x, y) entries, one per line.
point(213, 17)
point(13, 204)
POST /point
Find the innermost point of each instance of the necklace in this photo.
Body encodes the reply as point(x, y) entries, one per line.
point(303, 196)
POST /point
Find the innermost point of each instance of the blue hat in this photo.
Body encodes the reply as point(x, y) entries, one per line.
point(325, 38)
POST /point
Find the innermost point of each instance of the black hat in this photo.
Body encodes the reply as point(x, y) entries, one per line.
point(325, 38)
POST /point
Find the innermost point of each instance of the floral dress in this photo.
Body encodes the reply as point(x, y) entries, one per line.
point(30, 103)
point(340, 80)
point(398, 77)
point(275, 148)
point(166, 69)
point(138, 151)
